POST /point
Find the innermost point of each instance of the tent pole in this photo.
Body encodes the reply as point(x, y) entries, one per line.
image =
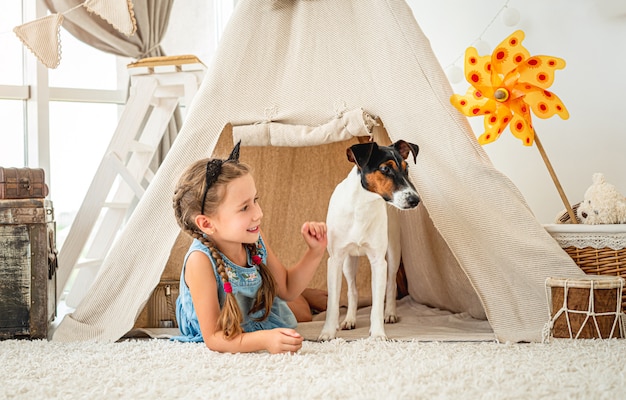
point(567, 204)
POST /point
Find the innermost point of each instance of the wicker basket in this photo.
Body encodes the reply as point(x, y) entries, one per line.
point(160, 310)
point(596, 249)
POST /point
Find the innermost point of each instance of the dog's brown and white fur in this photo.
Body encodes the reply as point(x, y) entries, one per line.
point(359, 224)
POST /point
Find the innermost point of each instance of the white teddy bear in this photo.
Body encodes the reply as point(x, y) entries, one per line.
point(603, 204)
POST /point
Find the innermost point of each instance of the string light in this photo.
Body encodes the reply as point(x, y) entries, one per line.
point(510, 17)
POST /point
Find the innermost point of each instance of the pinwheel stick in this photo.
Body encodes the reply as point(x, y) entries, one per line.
point(568, 207)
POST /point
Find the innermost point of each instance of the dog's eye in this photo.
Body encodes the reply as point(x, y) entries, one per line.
point(385, 169)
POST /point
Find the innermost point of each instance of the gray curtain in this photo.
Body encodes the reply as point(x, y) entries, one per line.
point(152, 19)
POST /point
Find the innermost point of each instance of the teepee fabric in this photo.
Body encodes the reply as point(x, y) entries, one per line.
point(345, 126)
point(472, 246)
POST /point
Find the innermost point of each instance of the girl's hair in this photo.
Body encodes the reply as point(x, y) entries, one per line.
point(187, 205)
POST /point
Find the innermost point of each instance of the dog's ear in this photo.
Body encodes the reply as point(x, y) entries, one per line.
point(405, 147)
point(360, 153)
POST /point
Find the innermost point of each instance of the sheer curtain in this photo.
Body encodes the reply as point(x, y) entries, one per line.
point(152, 18)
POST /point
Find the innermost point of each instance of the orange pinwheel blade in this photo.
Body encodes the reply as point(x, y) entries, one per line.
point(539, 70)
point(508, 55)
point(545, 104)
point(478, 71)
point(521, 129)
point(521, 124)
point(495, 124)
point(473, 103)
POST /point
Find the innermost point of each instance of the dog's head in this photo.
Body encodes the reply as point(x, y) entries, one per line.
point(384, 170)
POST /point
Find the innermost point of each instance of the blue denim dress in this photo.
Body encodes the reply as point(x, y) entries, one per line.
point(245, 282)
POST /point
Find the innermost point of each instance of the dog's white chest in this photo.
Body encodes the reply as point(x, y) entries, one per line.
point(357, 218)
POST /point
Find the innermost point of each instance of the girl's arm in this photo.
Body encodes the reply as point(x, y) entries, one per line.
point(200, 279)
point(292, 281)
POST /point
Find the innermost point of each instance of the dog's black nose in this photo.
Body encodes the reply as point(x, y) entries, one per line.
point(413, 201)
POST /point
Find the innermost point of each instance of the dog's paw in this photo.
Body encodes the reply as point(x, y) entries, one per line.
point(348, 324)
point(326, 336)
point(391, 319)
point(378, 336)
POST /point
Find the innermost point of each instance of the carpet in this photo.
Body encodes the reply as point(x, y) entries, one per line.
point(338, 369)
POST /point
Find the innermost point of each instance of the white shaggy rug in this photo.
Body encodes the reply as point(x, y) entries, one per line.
point(339, 369)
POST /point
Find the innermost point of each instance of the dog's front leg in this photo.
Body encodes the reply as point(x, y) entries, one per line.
point(334, 291)
point(350, 266)
point(394, 250)
point(379, 276)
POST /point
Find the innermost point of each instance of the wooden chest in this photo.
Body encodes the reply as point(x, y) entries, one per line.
point(22, 183)
point(27, 268)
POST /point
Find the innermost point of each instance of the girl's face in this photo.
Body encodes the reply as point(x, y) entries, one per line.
point(238, 217)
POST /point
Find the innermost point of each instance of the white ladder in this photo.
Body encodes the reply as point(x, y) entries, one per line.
point(157, 86)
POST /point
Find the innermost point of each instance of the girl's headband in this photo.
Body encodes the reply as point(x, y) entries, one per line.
point(214, 169)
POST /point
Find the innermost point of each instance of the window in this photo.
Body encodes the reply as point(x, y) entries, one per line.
point(12, 93)
point(11, 67)
point(85, 67)
point(12, 148)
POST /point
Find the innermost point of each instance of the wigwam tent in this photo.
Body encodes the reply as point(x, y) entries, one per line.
point(286, 67)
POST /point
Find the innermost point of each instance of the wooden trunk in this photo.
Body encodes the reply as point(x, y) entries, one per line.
point(27, 268)
point(22, 183)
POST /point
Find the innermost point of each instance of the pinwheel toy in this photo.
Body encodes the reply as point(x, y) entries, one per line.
point(505, 87)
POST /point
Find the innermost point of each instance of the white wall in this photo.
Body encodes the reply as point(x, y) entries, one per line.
point(591, 36)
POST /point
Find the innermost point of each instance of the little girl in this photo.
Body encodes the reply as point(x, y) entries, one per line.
point(233, 289)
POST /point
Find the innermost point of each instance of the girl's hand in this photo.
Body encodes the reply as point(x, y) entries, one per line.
point(283, 340)
point(314, 234)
